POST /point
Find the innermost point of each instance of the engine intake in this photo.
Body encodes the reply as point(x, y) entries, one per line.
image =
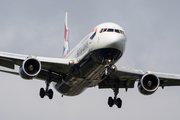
point(148, 84)
point(30, 68)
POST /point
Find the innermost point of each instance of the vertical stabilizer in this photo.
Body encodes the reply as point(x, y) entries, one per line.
point(66, 45)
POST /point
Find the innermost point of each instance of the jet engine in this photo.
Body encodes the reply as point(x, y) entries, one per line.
point(148, 84)
point(30, 68)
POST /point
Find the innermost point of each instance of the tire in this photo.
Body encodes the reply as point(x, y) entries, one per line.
point(110, 102)
point(42, 93)
point(50, 94)
point(119, 103)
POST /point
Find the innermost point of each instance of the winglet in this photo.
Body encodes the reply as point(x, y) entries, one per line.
point(66, 45)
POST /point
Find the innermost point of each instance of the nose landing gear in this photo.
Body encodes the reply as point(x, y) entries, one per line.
point(108, 67)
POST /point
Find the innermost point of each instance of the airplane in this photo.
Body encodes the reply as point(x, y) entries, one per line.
point(90, 63)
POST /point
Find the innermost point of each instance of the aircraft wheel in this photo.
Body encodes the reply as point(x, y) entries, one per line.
point(42, 93)
point(110, 102)
point(119, 103)
point(50, 94)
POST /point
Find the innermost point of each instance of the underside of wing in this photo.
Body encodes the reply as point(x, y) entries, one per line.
point(167, 79)
point(10, 59)
point(55, 66)
point(122, 77)
point(126, 77)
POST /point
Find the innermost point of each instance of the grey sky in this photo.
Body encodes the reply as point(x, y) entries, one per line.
point(37, 28)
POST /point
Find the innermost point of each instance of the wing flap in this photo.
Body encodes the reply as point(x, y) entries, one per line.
point(112, 83)
point(41, 76)
point(6, 63)
point(54, 77)
point(170, 82)
point(10, 72)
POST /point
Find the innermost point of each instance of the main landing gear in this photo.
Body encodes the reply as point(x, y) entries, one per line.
point(115, 101)
point(111, 101)
point(48, 91)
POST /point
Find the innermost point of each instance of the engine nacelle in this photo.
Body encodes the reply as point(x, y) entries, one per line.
point(148, 84)
point(30, 68)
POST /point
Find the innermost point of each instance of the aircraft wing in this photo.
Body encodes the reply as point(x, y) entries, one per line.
point(55, 65)
point(128, 77)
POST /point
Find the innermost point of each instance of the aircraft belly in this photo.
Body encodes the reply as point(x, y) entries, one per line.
point(77, 85)
point(88, 72)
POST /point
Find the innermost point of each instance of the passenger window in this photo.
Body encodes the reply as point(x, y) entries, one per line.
point(117, 31)
point(110, 30)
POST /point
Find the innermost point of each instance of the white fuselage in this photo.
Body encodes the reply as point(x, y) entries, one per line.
point(100, 40)
point(105, 41)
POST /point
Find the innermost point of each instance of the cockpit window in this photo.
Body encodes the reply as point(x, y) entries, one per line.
point(104, 29)
point(122, 32)
point(101, 30)
point(112, 30)
point(117, 31)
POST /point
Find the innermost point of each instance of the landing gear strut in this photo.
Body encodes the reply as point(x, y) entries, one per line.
point(48, 91)
point(107, 67)
point(115, 101)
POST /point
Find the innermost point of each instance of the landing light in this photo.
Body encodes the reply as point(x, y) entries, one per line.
point(71, 62)
point(113, 67)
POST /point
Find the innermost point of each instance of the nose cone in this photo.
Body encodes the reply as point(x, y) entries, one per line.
point(116, 41)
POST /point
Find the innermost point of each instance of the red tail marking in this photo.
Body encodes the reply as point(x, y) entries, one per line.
point(66, 34)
